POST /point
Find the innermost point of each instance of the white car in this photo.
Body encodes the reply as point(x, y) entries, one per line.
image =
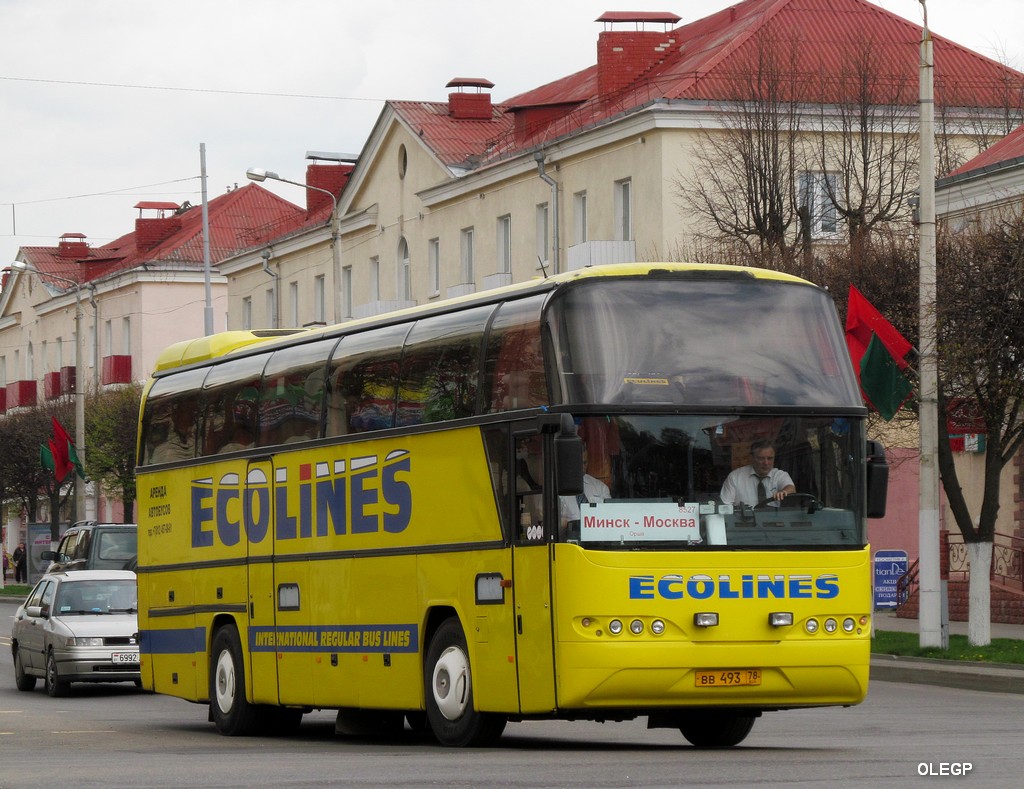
point(78, 626)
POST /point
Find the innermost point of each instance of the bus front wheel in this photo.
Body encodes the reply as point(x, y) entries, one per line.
point(717, 730)
point(232, 713)
point(448, 683)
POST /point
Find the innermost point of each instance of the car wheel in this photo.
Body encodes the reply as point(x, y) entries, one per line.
point(55, 686)
point(233, 715)
point(21, 679)
point(717, 730)
point(448, 685)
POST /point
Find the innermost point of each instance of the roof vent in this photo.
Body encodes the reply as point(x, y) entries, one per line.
point(72, 246)
point(470, 106)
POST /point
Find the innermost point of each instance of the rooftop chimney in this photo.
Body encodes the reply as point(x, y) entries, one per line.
point(72, 246)
point(470, 106)
point(150, 231)
point(623, 55)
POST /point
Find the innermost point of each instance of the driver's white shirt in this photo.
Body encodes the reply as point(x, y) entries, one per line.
point(741, 485)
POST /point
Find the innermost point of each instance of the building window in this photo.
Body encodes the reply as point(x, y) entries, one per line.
point(108, 337)
point(60, 353)
point(247, 312)
point(434, 265)
point(126, 336)
point(375, 278)
point(543, 232)
point(3, 371)
point(504, 244)
point(42, 356)
point(816, 192)
point(293, 303)
point(467, 255)
point(30, 363)
point(271, 308)
point(404, 271)
point(319, 299)
point(624, 210)
point(579, 217)
point(346, 291)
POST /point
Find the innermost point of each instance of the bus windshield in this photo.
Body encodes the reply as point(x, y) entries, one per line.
point(729, 341)
point(692, 482)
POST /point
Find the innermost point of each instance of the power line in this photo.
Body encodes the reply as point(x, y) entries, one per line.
point(117, 192)
point(188, 90)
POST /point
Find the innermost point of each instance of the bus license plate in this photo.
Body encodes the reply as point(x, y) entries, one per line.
point(730, 677)
point(131, 658)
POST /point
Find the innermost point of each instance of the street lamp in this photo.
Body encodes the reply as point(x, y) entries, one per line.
point(79, 377)
point(259, 174)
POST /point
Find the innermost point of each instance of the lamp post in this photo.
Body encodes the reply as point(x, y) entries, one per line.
point(259, 174)
point(79, 378)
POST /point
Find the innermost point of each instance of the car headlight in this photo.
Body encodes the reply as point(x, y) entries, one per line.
point(85, 641)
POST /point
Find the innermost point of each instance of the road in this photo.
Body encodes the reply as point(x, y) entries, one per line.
point(117, 736)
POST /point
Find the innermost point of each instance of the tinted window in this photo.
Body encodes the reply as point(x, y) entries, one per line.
point(292, 397)
point(514, 364)
point(363, 377)
point(441, 367)
point(231, 404)
point(170, 419)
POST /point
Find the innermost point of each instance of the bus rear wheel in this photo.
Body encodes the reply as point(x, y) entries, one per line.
point(233, 715)
point(448, 682)
point(717, 730)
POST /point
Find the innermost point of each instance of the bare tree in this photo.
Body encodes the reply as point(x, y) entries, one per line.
point(867, 141)
point(744, 180)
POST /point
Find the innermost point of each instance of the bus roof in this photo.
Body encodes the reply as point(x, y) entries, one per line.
point(203, 349)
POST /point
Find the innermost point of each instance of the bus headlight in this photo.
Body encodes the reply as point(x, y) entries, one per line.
point(780, 618)
point(615, 627)
point(705, 619)
point(849, 624)
point(831, 625)
point(636, 627)
point(657, 627)
point(811, 625)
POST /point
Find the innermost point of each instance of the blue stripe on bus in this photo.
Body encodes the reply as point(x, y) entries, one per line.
point(176, 641)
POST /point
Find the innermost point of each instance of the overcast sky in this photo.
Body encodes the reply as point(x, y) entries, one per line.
point(105, 103)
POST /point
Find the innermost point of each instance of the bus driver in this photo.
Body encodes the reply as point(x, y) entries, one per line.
point(758, 483)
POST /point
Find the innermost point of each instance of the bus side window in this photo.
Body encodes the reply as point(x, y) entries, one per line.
point(497, 449)
point(364, 379)
point(291, 397)
point(514, 364)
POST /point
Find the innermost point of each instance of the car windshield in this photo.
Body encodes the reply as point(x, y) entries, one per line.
point(97, 597)
point(692, 482)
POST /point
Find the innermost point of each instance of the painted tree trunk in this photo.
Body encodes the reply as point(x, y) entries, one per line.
point(979, 612)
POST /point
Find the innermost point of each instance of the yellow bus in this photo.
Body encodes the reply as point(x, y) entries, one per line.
point(515, 505)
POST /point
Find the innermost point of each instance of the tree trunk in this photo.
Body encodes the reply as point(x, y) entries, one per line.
point(979, 615)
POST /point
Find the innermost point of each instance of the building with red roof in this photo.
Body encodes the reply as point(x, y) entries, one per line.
point(987, 184)
point(463, 195)
point(137, 294)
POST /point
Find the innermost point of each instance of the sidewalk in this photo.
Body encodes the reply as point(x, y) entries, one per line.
point(997, 678)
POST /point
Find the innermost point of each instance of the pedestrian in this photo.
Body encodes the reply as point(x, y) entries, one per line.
point(20, 557)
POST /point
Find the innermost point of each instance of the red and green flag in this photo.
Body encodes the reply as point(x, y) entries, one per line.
point(878, 353)
point(59, 456)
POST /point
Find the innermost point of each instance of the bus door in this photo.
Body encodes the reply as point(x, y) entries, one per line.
point(531, 582)
point(258, 516)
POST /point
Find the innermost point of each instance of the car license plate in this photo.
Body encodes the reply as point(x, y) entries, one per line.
point(728, 677)
point(125, 657)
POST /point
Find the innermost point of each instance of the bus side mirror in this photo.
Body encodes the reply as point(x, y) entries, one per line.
point(568, 460)
point(878, 479)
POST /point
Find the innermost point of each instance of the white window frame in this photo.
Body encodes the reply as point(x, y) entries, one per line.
point(346, 291)
point(814, 195)
point(375, 278)
point(42, 355)
point(319, 298)
point(404, 270)
point(543, 223)
point(504, 244)
point(434, 266)
point(270, 305)
point(126, 335)
point(579, 217)
point(624, 210)
point(467, 254)
point(293, 302)
point(247, 312)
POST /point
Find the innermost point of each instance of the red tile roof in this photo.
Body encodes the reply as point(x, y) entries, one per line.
point(1009, 150)
point(710, 59)
point(242, 218)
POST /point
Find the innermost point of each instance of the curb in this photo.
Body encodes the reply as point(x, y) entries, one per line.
point(991, 677)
